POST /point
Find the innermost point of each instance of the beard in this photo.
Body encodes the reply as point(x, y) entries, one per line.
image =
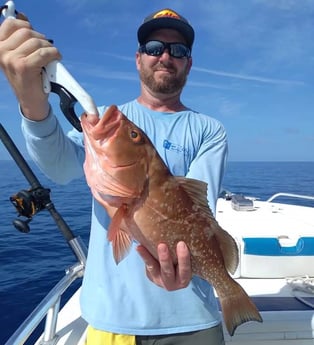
point(168, 84)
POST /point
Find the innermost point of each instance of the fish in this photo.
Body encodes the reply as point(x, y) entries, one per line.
point(148, 204)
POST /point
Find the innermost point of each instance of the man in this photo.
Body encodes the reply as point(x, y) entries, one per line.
point(120, 304)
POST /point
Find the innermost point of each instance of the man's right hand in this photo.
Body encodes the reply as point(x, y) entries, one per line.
point(23, 53)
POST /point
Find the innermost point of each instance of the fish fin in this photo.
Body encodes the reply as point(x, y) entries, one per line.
point(229, 250)
point(237, 309)
point(197, 190)
point(121, 241)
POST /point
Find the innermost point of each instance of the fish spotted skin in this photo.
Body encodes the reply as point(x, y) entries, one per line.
point(147, 203)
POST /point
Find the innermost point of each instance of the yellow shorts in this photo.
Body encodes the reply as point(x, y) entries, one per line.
point(96, 337)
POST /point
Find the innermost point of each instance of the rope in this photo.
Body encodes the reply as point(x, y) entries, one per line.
point(304, 284)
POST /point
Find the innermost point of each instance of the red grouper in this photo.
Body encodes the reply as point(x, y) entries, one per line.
point(147, 203)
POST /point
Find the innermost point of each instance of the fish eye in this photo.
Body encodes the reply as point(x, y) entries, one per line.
point(134, 134)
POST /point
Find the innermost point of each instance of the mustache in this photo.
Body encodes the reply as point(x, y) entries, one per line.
point(169, 66)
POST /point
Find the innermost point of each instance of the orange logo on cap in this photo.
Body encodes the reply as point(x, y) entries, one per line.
point(167, 13)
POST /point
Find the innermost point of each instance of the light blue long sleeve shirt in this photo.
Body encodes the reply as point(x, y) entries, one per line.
point(120, 298)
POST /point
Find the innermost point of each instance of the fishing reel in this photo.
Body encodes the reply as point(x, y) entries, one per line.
point(28, 203)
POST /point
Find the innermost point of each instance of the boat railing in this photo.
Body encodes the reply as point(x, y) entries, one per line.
point(50, 305)
point(290, 195)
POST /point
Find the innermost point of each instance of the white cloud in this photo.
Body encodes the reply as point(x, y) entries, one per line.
point(248, 77)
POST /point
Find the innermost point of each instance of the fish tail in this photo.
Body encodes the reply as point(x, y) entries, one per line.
point(237, 309)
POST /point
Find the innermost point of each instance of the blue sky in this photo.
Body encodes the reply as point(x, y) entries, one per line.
point(253, 66)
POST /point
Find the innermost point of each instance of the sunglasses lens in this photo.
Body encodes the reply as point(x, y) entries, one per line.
point(179, 50)
point(156, 48)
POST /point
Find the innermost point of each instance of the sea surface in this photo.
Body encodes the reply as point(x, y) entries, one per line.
point(32, 263)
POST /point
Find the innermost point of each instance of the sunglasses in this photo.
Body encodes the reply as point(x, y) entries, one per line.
point(157, 48)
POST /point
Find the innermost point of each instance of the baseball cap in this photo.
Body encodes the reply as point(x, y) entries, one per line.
point(166, 19)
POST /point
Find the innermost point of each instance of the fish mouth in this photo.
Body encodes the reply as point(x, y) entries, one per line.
point(110, 122)
point(105, 127)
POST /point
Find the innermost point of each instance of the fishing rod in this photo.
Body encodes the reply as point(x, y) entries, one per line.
point(37, 198)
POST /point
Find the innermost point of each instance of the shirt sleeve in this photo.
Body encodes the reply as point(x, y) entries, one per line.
point(59, 156)
point(210, 162)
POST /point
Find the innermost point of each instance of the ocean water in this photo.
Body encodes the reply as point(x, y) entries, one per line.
point(31, 264)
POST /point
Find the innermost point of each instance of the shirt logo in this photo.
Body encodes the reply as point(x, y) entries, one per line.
point(175, 147)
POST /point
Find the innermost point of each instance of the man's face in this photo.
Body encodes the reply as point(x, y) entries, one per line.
point(163, 74)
